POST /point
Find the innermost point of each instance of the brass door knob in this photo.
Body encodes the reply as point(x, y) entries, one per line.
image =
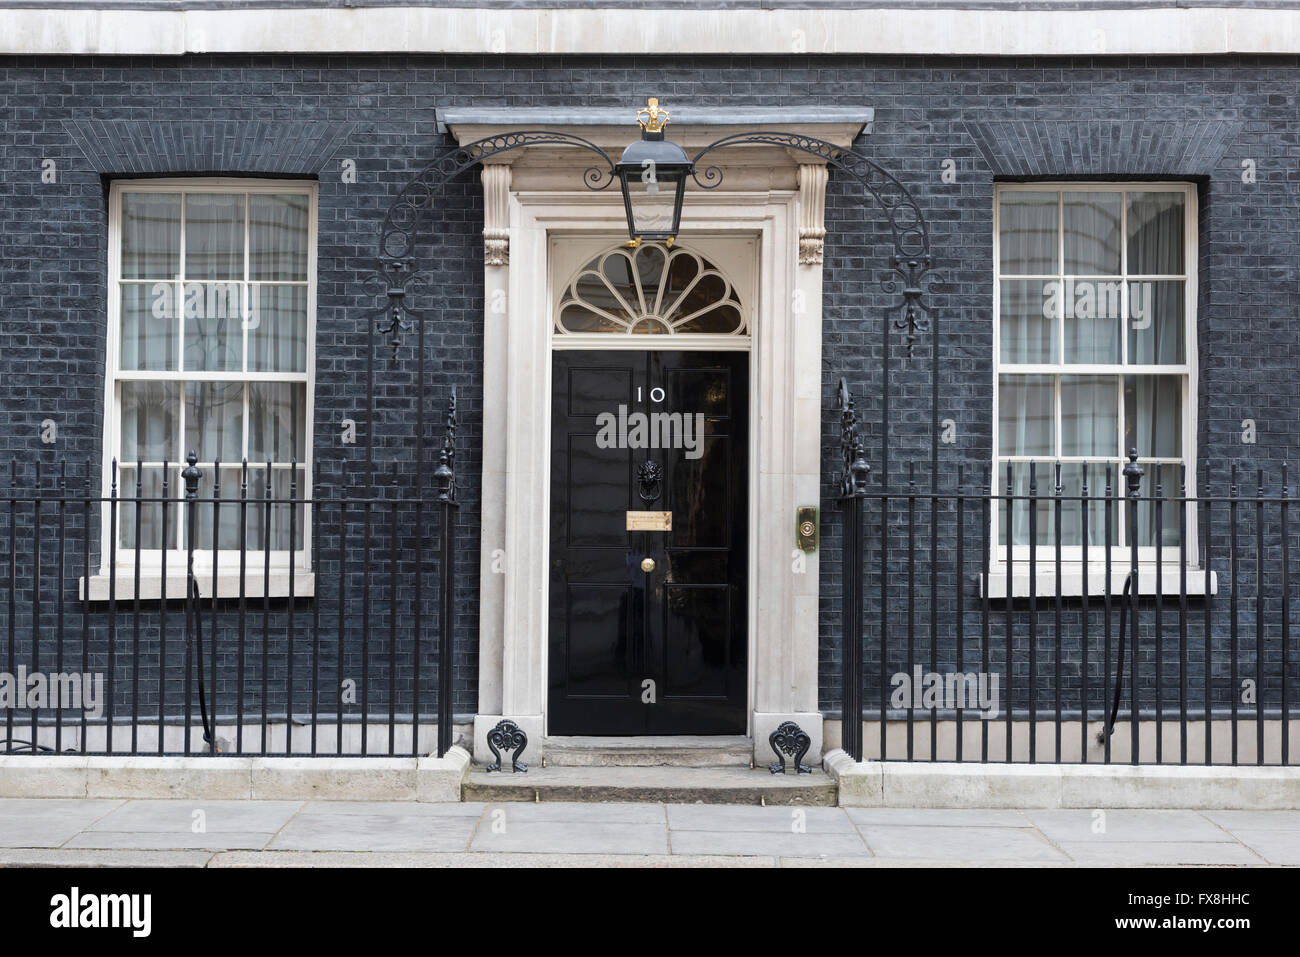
point(647, 564)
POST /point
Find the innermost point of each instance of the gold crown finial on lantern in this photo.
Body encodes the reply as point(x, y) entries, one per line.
point(655, 118)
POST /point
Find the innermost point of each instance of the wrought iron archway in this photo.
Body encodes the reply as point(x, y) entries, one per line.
point(908, 269)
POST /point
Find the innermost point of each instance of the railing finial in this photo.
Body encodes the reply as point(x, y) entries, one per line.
point(1133, 474)
point(191, 475)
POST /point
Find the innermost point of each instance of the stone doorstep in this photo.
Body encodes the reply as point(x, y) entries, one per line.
point(661, 785)
point(1045, 786)
point(427, 779)
point(689, 751)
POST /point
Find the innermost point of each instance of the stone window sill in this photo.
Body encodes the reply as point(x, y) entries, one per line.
point(151, 585)
point(1200, 582)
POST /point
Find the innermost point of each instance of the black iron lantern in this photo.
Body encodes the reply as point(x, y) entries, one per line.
point(653, 174)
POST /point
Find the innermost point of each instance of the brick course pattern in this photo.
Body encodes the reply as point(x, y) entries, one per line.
point(1198, 119)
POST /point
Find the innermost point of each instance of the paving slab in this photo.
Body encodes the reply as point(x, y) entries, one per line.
point(777, 820)
point(1275, 846)
point(573, 811)
point(490, 860)
point(567, 837)
point(1255, 820)
point(37, 857)
point(170, 840)
point(1125, 825)
point(906, 862)
point(960, 845)
point(937, 817)
point(217, 817)
point(1158, 854)
point(48, 822)
point(773, 843)
point(376, 827)
point(404, 809)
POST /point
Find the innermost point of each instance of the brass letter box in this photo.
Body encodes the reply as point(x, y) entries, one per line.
point(649, 521)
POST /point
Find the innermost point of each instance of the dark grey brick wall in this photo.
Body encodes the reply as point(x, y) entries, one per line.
point(303, 115)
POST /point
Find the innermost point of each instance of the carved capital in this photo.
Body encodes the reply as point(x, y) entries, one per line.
point(812, 213)
point(496, 214)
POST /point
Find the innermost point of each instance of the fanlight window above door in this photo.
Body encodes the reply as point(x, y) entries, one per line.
point(650, 290)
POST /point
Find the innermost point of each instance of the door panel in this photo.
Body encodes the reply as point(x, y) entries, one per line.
point(664, 651)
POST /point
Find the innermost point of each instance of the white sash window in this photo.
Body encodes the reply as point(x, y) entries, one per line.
point(211, 319)
point(1095, 341)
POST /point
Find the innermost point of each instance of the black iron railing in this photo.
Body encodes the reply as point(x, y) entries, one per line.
point(1112, 616)
point(279, 621)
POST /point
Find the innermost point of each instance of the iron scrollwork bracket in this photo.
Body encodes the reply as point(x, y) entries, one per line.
point(789, 740)
point(410, 213)
point(910, 263)
point(444, 476)
point(409, 216)
point(507, 736)
point(853, 481)
point(910, 272)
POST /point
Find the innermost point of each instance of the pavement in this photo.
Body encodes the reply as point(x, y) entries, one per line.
point(153, 833)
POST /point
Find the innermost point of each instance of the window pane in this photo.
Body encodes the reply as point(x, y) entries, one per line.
point(149, 412)
point(578, 318)
point(150, 513)
point(148, 326)
point(1156, 323)
point(277, 414)
point(1089, 415)
point(1149, 524)
point(214, 420)
point(1155, 234)
point(268, 517)
point(1094, 311)
point(1027, 329)
point(1153, 415)
point(277, 237)
point(214, 236)
point(277, 329)
point(1072, 476)
point(1092, 233)
point(1026, 420)
point(213, 337)
point(225, 512)
point(1025, 529)
point(151, 235)
point(1027, 226)
point(1072, 513)
point(719, 320)
point(287, 487)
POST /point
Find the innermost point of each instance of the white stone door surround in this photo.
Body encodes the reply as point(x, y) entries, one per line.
point(534, 195)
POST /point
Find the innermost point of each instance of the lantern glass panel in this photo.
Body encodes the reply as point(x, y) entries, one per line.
point(653, 201)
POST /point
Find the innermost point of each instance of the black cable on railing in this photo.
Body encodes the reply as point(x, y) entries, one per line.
point(193, 594)
point(7, 745)
point(1119, 668)
point(193, 620)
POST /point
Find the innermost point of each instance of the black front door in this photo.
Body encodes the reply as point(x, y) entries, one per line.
point(648, 628)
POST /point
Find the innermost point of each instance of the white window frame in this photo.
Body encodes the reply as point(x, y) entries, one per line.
point(227, 559)
point(1120, 553)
